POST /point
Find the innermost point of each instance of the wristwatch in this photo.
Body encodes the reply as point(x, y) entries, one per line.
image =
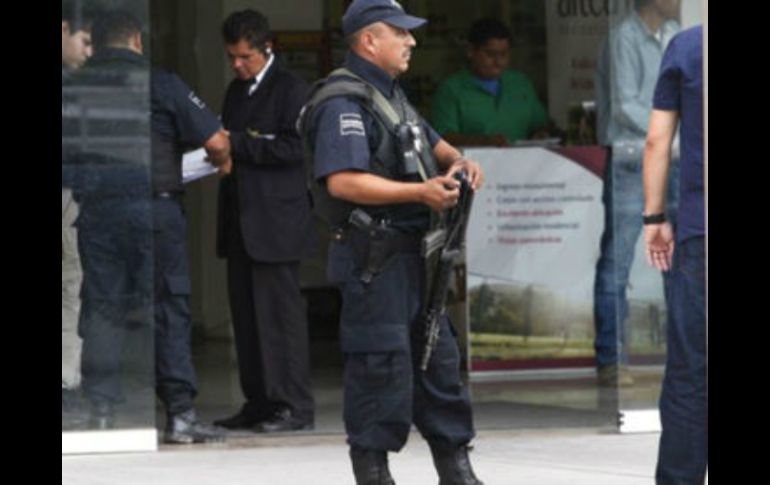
point(653, 218)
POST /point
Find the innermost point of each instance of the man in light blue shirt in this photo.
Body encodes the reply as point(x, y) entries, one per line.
point(625, 82)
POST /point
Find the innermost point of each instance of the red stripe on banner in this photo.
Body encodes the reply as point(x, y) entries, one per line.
point(592, 157)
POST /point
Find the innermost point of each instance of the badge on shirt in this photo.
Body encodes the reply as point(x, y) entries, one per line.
point(351, 124)
point(196, 100)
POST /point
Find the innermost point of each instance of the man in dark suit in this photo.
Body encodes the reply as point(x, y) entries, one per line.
point(263, 230)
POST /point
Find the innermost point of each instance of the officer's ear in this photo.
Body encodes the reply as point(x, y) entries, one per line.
point(65, 28)
point(368, 39)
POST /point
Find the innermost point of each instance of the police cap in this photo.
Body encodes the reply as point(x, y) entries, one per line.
point(361, 13)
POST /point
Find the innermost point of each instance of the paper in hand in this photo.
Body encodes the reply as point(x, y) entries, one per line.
point(195, 166)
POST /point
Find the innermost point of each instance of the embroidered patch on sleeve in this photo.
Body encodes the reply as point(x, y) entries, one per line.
point(351, 124)
point(196, 100)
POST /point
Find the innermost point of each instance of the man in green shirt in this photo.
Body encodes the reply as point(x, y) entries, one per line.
point(487, 103)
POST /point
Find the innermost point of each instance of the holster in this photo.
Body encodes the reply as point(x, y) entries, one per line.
point(374, 248)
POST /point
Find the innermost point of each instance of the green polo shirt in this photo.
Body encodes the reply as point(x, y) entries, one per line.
point(462, 106)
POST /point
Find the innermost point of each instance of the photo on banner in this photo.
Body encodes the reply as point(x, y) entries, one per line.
point(532, 247)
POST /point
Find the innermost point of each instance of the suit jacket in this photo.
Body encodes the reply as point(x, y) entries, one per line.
point(267, 190)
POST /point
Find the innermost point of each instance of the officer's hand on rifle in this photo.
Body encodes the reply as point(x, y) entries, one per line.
point(472, 169)
point(440, 193)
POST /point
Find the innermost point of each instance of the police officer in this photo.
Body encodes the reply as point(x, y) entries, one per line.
point(374, 157)
point(179, 119)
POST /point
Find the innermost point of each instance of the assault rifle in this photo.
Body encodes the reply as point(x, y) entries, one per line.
point(449, 240)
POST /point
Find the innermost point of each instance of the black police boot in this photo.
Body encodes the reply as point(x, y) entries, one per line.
point(101, 415)
point(453, 466)
point(184, 428)
point(370, 467)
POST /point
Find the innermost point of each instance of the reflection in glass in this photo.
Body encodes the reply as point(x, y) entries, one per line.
point(629, 297)
point(105, 168)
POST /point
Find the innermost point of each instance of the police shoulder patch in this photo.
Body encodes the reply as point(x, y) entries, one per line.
point(196, 100)
point(351, 124)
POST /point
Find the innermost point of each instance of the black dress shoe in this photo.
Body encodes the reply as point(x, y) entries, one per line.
point(184, 428)
point(284, 420)
point(240, 420)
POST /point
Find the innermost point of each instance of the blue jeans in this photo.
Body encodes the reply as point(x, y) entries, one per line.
point(623, 199)
point(683, 451)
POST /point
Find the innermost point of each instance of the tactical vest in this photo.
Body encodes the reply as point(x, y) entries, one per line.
point(403, 154)
point(105, 122)
point(166, 165)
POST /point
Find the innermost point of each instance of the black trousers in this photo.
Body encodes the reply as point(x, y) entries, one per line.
point(174, 371)
point(124, 260)
point(115, 246)
point(382, 340)
point(271, 334)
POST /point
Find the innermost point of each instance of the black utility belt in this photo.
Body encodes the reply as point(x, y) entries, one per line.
point(374, 248)
point(393, 240)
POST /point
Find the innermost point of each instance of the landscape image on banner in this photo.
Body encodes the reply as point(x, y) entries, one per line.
point(533, 243)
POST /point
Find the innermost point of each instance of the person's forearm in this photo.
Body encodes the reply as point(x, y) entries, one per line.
point(655, 174)
point(446, 154)
point(657, 159)
point(370, 189)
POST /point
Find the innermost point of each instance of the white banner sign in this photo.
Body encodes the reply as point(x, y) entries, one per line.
point(537, 221)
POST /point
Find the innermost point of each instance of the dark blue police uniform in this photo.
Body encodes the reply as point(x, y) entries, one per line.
point(106, 163)
point(131, 222)
point(179, 120)
point(385, 392)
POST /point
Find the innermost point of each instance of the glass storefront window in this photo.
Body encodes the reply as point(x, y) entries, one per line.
point(561, 322)
point(107, 314)
point(634, 295)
